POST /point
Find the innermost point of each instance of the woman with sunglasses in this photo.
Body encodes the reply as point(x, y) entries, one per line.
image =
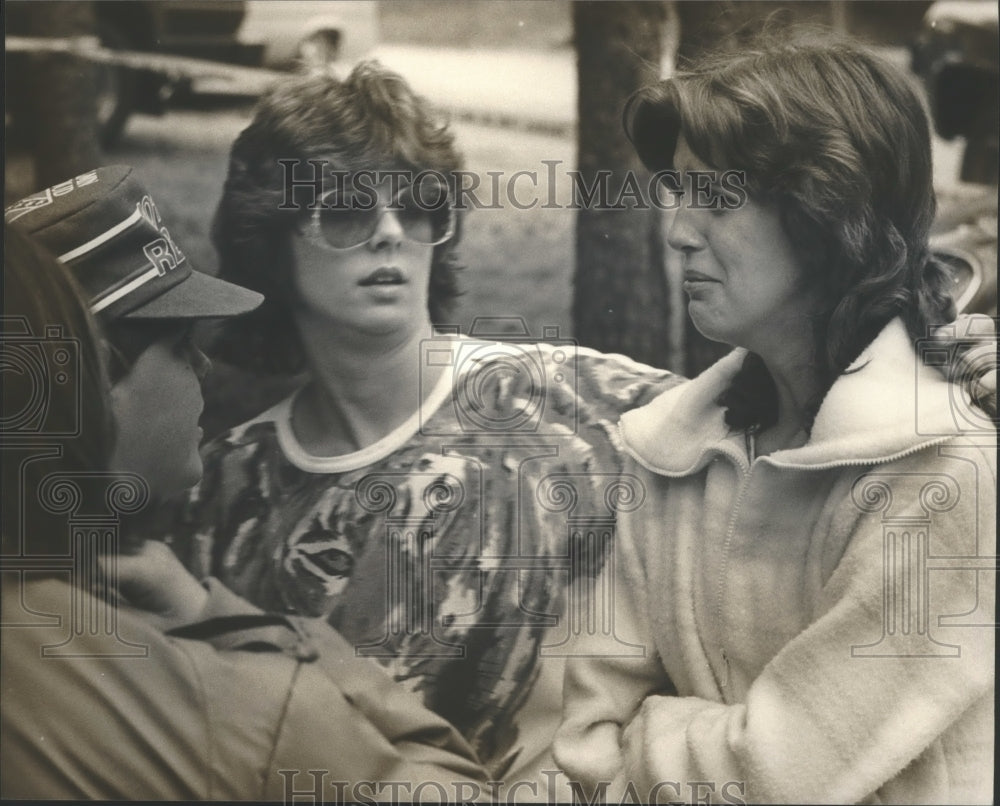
point(417, 490)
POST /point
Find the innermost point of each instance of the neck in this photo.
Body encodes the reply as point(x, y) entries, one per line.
point(362, 386)
point(794, 369)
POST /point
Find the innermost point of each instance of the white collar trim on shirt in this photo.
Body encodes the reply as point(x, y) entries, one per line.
point(393, 441)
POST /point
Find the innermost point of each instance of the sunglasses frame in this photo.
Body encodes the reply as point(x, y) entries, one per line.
point(314, 232)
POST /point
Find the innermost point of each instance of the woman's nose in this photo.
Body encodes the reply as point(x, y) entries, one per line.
point(388, 231)
point(683, 233)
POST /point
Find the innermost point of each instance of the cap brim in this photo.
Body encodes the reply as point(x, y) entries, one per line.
point(200, 296)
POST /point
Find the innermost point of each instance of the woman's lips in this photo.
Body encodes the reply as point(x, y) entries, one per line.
point(698, 277)
point(696, 285)
point(386, 275)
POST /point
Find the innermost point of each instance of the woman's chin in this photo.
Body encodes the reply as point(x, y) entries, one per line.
point(706, 327)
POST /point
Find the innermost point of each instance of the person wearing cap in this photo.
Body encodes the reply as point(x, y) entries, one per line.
point(105, 226)
point(138, 682)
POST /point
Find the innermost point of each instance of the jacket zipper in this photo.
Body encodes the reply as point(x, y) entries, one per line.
point(745, 472)
point(699, 462)
point(879, 460)
point(746, 469)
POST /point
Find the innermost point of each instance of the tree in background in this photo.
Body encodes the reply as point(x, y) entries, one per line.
point(59, 103)
point(620, 300)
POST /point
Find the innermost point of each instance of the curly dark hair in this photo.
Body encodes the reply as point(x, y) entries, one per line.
point(839, 140)
point(371, 121)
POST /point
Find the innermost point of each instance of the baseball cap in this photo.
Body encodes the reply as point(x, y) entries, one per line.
point(105, 227)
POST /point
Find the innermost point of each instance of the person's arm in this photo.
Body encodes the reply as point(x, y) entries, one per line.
point(824, 721)
point(153, 580)
point(392, 734)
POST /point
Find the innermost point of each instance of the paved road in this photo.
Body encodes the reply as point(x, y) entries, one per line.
point(534, 89)
point(513, 88)
point(537, 89)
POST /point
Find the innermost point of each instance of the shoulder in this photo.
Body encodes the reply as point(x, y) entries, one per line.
point(670, 433)
point(572, 378)
point(74, 708)
point(944, 494)
point(611, 372)
point(41, 648)
point(242, 461)
point(244, 445)
point(257, 430)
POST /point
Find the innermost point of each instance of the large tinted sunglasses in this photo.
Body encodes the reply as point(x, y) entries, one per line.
point(348, 220)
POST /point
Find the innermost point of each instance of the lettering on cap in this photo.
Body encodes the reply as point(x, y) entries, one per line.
point(162, 252)
point(45, 197)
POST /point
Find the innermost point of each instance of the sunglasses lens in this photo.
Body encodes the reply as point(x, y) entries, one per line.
point(424, 215)
point(343, 226)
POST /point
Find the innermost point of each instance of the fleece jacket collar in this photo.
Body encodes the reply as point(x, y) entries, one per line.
point(888, 404)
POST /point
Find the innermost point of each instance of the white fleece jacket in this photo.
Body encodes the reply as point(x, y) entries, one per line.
point(759, 591)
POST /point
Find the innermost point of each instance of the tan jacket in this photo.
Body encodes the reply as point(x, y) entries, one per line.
point(257, 708)
point(824, 614)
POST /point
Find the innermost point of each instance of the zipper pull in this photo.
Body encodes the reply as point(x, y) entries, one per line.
point(751, 442)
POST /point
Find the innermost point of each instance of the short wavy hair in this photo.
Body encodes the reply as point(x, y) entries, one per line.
point(371, 121)
point(839, 140)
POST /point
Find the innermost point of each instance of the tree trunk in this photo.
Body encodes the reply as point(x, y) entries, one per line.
point(61, 95)
point(620, 301)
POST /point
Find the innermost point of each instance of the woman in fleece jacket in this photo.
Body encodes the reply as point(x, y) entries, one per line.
point(811, 573)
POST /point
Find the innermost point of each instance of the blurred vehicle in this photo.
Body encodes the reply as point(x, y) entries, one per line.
point(202, 29)
point(957, 54)
point(310, 34)
point(275, 34)
point(199, 29)
point(965, 238)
